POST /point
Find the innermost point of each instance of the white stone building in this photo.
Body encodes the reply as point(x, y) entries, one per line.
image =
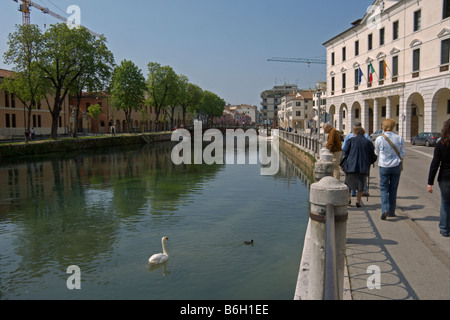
point(402, 50)
point(296, 110)
point(271, 100)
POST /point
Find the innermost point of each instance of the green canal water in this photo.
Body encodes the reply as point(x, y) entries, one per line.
point(106, 211)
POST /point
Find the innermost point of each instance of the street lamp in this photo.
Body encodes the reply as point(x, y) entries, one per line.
point(320, 86)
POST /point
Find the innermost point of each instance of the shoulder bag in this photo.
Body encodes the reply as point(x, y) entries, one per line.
point(395, 148)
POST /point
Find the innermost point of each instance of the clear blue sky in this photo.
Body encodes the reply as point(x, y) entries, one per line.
point(220, 45)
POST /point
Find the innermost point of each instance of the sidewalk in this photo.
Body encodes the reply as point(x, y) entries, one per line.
point(414, 259)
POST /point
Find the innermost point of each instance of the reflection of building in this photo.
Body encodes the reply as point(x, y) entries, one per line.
point(393, 63)
point(13, 115)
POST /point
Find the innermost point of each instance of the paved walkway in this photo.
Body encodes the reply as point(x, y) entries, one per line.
point(412, 256)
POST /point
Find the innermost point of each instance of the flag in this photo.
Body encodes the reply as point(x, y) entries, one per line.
point(360, 75)
point(385, 68)
point(371, 72)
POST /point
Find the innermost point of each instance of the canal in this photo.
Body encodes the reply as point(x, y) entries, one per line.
point(105, 211)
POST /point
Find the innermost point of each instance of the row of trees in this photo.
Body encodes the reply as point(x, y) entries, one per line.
point(67, 61)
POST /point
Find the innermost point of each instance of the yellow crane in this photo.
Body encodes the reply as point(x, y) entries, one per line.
point(25, 6)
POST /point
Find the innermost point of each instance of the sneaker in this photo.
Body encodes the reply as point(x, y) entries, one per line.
point(384, 216)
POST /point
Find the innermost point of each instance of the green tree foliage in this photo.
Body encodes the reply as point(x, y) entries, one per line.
point(127, 89)
point(161, 87)
point(27, 82)
point(211, 105)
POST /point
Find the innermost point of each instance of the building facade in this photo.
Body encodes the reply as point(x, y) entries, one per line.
point(392, 63)
point(271, 100)
point(13, 115)
point(296, 111)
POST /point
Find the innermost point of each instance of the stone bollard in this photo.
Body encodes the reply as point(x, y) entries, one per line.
point(327, 191)
point(324, 167)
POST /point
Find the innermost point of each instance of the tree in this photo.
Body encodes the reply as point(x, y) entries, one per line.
point(96, 69)
point(128, 89)
point(190, 98)
point(64, 59)
point(95, 111)
point(27, 82)
point(211, 105)
point(161, 86)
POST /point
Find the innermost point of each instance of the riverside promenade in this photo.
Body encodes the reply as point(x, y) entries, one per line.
point(412, 256)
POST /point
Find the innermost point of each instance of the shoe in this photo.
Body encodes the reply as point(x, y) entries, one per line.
point(350, 201)
point(384, 216)
point(445, 234)
point(358, 205)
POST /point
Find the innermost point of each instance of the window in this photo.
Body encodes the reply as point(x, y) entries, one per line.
point(356, 48)
point(382, 75)
point(6, 99)
point(417, 20)
point(357, 113)
point(383, 111)
point(381, 36)
point(416, 60)
point(369, 41)
point(298, 113)
point(446, 9)
point(395, 30)
point(445, 45)
point(344, 53)
point(332, 58)
point(7, 120)
point(13, 120)
point(356, 77)
point(343, 81)
point(395, 66)
point(13, 101)
point(34, 121)
point(332, 84)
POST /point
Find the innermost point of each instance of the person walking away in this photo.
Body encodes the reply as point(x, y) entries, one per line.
point(441, 162)
point(390, 149)
point(334, 145)
point(361, 155)
point(348, 137)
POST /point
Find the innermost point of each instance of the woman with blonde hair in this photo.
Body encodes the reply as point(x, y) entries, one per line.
point(441, 160)
point(390, 149)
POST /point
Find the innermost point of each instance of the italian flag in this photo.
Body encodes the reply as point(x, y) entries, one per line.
point(371, 72)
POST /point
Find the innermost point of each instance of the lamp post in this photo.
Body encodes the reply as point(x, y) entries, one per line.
point(320, 86)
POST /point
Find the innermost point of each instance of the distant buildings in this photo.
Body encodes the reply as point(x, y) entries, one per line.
point(392, 63)
point(239, 114)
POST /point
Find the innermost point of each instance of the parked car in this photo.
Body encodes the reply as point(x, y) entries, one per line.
point(376, 134)
point(426, 138)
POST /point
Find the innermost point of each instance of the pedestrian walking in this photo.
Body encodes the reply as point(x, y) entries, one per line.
point(441, 162)
point(348, 137)
point(334, 145)
point(360, 156)
point(390, 149)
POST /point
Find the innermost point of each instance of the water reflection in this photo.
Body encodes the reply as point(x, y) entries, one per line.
point(103, 211)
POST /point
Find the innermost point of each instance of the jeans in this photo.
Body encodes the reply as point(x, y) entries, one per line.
point(444, 221)
point(389, 180)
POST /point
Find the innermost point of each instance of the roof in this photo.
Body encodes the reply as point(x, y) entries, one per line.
point(5, 73)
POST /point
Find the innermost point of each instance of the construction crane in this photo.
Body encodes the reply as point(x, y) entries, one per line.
point(25, 9)
point(299, 60)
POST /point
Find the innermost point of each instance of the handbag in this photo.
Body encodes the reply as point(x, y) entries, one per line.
point(395, 148)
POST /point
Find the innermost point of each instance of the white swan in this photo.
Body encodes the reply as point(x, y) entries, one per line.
point(160, 257)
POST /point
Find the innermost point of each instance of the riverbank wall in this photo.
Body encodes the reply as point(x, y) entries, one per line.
point(33, 148)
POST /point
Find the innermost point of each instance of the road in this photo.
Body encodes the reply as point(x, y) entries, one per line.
point(409, 251)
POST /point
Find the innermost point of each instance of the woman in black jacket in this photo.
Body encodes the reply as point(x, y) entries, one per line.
point(441, 160)
point(360, 156)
